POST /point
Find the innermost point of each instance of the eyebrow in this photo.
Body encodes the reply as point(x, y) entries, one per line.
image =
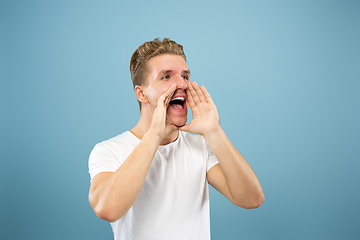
point(165, 72)
point(187, 71)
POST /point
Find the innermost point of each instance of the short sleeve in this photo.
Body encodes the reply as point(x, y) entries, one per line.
point(212, 160)
point(102, 159)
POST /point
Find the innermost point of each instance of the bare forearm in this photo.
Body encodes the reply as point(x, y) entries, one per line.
point(114, 196)
point(244, 186)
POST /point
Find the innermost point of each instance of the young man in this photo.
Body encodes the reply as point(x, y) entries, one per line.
point(151, 182)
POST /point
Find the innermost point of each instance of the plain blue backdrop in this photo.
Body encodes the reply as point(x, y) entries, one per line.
point(285, 76)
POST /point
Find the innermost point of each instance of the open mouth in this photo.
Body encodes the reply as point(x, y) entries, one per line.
point(178, 102)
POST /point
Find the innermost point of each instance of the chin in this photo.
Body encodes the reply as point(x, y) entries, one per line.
point(178, 122)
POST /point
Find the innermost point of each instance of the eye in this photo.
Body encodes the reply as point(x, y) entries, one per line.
point(165, 77)
point(185, 77)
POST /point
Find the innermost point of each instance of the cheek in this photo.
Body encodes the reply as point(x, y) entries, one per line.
point(149, 91)
point(153, 93)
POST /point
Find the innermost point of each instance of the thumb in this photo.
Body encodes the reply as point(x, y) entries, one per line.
point(185, 128)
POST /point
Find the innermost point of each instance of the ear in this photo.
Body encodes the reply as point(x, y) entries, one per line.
point(140, 94)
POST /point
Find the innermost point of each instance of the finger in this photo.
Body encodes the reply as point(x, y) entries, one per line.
point(206, 94)
point(190, 99)
point(199, 92)
point(170, 92)
point(193, 93)
point(166, 96)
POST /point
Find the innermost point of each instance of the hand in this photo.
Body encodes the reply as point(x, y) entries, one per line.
point(205, 115)
point(159, 125)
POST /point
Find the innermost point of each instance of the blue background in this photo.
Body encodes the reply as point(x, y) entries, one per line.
point(284, 75)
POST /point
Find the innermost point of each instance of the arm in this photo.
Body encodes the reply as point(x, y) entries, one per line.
point(233, 177)
point(112, 194)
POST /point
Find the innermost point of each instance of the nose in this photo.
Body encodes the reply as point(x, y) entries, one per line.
point(181, 83)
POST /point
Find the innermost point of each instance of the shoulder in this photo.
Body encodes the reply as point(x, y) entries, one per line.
point(123, 140)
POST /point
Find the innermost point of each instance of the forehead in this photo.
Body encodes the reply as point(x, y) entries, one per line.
point(162, 62)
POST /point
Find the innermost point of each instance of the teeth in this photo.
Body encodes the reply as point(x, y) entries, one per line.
point(178, 98)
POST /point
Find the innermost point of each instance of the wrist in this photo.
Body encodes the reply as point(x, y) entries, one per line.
point(215, 135)
point(152, 137)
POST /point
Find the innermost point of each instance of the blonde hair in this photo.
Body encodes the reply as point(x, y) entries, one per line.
point(148, 50)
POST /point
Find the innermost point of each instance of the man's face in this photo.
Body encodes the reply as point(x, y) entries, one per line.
point(163, 71)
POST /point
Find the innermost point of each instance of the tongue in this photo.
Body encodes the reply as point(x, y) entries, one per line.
point(176, 106)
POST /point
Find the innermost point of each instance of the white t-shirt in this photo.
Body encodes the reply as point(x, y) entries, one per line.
point(174, 200)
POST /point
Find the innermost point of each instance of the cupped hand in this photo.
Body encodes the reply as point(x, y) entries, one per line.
point(159, 125)
point(205, 115)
